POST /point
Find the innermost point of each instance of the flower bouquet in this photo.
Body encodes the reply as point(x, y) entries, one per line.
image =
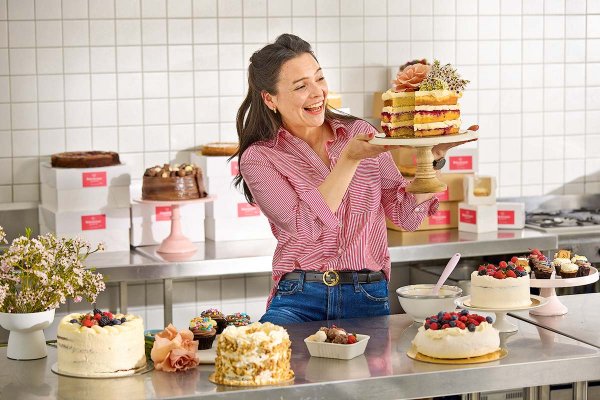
point(37, 275)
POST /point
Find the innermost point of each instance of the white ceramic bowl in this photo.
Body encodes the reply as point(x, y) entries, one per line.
point(335, 350)
point(418, 301)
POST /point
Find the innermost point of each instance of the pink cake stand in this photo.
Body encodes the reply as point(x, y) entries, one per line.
point(176, 242)
point(548, 286)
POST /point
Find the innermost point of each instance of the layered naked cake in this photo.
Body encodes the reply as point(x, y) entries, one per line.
point(457, 335)
point(100, 344)
point(256, 354)
point(504, 286)
point(423, 102)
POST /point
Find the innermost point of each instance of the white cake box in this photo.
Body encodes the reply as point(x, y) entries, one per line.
point(113, 240)
point(109, 219)
point(477, 218)
point(511, 215)
point(150, 223)
point(229, 202)
point(92, 198)
point(480, 189)
point(215, 166)
point(461, 160)
point(84, 178)
point(225, 229)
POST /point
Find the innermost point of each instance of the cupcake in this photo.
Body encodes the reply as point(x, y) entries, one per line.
point(543, 270)
point(558, 262)
point(238, 319)
point(584, 268)
point(216, 315)
point(577, 258)
point(204, 332)
point(568, 270)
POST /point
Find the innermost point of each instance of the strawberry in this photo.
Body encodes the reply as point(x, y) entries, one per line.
point(502, 264)
point(482, 268)
point(351, 339)
point(433, 326)
point(447, 316)
point(97, 316)
point(490, 272)
point(463, 318)
point(511, 274)
point(519, 268)
point(87, 322)
point(499, 275)
point(514, 260)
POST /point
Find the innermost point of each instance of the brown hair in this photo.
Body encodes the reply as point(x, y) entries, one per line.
point(255, 122)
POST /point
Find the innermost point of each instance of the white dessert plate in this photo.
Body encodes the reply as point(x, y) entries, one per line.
point(339, 351)
point(465, 302)
point(147, 368)
point(565, 282)
point(381, 139)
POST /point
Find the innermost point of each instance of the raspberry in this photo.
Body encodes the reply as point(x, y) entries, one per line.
point(447, 316)
point(433, 326)
point(97, 316)
point(499, 275)
point(514, 260)
point(87, 322)
point(460, 324)
point(108, 314)
point(445, 326)
point(511, 274)
point(463, 318)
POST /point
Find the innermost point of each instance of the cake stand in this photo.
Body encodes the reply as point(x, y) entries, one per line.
point(547, 290)
point(176, 242)
point(500, 323)
point(426, 180)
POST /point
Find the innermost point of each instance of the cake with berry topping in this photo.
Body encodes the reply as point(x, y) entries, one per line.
point(423, 101)
point(502, 286)
point(173, 182)
point(252, 355)
point(457, 335)
point(100, 344)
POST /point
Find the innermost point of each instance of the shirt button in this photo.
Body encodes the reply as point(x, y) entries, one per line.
point(340, 224)
point(340, 251)
point(417, 209)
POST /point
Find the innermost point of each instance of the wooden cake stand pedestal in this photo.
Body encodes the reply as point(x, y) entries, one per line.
point(176, 242)
point(548, 290)
point(426, 180)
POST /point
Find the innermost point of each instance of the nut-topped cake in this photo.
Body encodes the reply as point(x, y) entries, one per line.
point(173, 182)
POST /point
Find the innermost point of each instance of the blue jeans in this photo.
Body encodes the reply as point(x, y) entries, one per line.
point(301, 301)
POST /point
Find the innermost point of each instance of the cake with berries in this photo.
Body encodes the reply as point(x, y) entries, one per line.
point(100, 344)
point(253, 355)
point(423, 101)
point(457, 335)
point(173, 182)
point(502, 286)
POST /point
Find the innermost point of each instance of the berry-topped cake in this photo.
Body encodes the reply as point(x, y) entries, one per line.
point(457, 335)
point(100, 344)
point(502, 286)
point(423, 101)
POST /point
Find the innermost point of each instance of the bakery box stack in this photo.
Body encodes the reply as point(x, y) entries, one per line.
point(87, 202)
point(478, 213)
point(151, 223)
point(229, 216)
point(447, 215)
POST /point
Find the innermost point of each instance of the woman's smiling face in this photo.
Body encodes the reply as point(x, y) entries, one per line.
point(301, 93)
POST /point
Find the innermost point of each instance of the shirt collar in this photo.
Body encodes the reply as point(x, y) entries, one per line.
point(336, 125)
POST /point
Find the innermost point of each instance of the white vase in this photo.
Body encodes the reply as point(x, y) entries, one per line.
point(26, 340)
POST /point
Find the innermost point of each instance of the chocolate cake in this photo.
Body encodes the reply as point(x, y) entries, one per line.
point(85, 159)
point(176, 182)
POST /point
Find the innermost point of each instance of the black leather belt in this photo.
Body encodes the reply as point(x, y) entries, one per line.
point(332, 278)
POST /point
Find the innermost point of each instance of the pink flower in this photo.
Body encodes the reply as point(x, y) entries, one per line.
point(174, 350)
point(409, 79)
point(78, 299)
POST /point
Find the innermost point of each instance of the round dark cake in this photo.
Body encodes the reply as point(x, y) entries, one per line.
point(85, 159)
point(177, 182)
point(219, 149)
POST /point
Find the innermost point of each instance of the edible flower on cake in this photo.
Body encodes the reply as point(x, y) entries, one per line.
point(174, 350)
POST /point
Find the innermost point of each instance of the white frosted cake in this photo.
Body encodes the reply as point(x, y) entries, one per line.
point(94, 347)
point(463, 340)
point(503, 287)
point(251, 355)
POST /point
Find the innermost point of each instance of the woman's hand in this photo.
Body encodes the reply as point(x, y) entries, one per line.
point(359, 148)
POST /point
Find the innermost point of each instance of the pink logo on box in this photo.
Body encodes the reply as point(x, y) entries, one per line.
point(247, 210)
point(235, 169)
point(93, 179)
point(163, 213)
point(468, 216)
point(93, 222)
point(506, 217)
point(443, 196)
point(460, 163)
point(441, 217)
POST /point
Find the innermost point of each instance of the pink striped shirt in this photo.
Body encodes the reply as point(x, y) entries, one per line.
point(283, 175)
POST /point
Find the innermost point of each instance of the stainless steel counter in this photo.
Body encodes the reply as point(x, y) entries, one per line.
point(535, 357)
point(580, 323)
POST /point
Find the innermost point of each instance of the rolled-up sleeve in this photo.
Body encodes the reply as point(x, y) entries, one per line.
point(305, 215)
point(399, 205)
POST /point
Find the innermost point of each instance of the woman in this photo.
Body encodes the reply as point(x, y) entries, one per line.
point(324, 188)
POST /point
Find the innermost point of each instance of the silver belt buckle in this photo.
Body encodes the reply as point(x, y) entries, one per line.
point(331, 278)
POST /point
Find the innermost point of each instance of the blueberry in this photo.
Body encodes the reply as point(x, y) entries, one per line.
point(74, 321)
point(116, 321)
point(482, 272)
point(96, 311)
point(123, 319)
point(464, 312)
point(454, 317)
point(453, 323)
point(440, 315)
point(432, 320)
point(489, 320)
point(471, 328)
